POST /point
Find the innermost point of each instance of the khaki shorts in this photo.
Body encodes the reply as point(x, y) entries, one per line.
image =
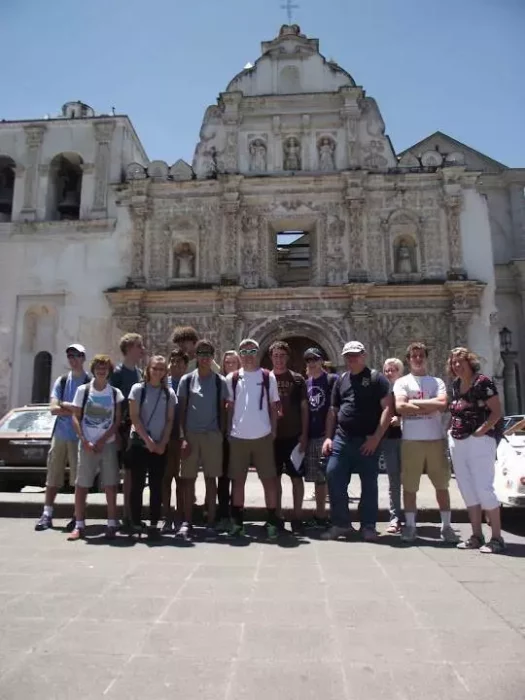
point(205, 452)
point(61, 453)
point(247, 453)
point(172, 470)
point(92, 463)
point(415, 455)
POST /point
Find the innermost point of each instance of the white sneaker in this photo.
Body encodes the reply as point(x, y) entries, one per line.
point(335, 532)
point(409, 533)
point(448, 535)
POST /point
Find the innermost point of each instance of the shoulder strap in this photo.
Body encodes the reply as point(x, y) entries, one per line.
point(142, 393)
point(167, 396)
point(84, 400)
point(114, 392)
point(265, 388)
point(63, 382)
point(235, 381)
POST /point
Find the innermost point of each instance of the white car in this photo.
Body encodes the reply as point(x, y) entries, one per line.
point(509, 478)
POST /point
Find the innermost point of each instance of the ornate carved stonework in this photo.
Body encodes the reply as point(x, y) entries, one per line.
point(34, 138)
point(453, 204)
point(103, 135)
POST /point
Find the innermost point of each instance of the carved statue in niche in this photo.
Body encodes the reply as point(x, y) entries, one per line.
point(292, 154)
point(326, 150)
point(258, 156)
point(184, 261)
point(405, 257)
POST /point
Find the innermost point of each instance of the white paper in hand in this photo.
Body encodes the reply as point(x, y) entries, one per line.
point(297, 457)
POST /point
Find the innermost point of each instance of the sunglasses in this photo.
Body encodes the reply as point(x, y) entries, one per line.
point(249, 351)
point(204, 353)
point(73, 355)
point(313, 359)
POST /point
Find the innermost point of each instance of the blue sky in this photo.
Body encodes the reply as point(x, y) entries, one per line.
point(452, 65)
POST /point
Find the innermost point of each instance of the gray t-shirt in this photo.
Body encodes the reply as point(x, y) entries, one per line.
point(153, 412)
point(201, 407)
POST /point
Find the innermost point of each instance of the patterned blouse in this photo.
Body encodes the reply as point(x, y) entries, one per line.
point(469, 410)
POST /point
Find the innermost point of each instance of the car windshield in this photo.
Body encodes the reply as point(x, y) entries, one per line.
point(509, 421)
point(30, 421)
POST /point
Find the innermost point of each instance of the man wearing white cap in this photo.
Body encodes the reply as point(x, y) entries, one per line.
point(64, 443)
point(359, 416)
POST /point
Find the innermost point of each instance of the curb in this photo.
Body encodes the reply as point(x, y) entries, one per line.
point(96, 511)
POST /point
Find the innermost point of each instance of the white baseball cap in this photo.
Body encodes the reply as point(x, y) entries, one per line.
point(354, 347)
point(76, 346)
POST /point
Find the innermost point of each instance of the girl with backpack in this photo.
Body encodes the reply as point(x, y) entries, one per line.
point(152, 410)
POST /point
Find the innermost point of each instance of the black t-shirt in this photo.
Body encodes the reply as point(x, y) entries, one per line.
point(292, 392)
point(357, 398)
point(123, 379)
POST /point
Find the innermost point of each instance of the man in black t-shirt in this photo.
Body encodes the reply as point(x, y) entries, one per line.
point(359, 416)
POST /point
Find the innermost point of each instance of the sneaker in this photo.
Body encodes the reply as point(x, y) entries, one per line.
point(369, 533)
point(394, 527)
point(448, 535)
point(335, 532)
point(409, 533)
point(71, 525)
point(473, 542)
point(272, 531)
point(223, 525)
point(111, 532)
point(318, 523)
point(76, 534)
point(280, 524)
point(496, 545)
point(184, 531)
point(167, 526)
point(45, 523)
point(297, 526)
point(236, 530)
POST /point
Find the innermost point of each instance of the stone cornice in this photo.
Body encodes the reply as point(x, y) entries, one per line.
point(62, 228)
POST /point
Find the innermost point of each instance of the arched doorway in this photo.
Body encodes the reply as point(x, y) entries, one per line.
point(41, 377)
point(298, 346)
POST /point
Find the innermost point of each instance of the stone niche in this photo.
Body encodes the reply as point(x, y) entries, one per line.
point(403, 255)
point(184, 261)
point(326, 160)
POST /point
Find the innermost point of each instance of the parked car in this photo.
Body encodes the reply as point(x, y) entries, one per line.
point(509, 479)
point(25, 438)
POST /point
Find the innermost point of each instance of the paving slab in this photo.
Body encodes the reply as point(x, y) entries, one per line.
point(296, 619)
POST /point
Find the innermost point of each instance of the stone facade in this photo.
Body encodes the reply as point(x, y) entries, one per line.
point(398, 247)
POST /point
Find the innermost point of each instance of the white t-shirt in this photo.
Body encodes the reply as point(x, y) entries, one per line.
point(98, 411)
point(429, 427)
point(249, 421)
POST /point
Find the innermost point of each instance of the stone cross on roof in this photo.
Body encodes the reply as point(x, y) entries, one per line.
point(289, 7)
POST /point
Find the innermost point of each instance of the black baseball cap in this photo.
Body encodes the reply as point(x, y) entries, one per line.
point(314, 353)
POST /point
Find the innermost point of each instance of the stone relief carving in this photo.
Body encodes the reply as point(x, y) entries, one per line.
point(453, 204)
point(292, 153)
point(258, 154)
point(336, 264)
point(326, 151)
point(184, 261)
point(249, 251)
point(431, 159)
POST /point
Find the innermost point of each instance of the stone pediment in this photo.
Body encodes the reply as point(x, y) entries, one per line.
point(300, 68)
point(180, 171)
point(451, 152)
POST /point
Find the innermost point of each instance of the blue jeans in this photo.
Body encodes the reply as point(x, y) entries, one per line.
point(392, 455)
point(345, 460)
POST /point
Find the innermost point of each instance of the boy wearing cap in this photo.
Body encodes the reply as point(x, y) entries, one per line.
point(64, 443)
point(360, 412)
point(319, 386)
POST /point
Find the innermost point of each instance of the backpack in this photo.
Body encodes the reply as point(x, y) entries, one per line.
point(189, 381)
point(63, 382)
point(86, 397)
point(374, 379)
point(265, 387)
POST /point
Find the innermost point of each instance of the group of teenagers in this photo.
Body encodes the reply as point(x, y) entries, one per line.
point(187, 413)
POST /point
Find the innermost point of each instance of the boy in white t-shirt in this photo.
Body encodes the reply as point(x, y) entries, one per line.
point(420, 401)
point(253, 400)
point(96, 418)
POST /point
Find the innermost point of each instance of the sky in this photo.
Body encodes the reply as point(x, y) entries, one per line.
point(451, 65)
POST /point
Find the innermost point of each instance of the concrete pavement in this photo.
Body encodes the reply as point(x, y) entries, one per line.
point(228, 620)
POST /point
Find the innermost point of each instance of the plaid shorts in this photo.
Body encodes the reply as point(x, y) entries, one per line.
point(312, 462)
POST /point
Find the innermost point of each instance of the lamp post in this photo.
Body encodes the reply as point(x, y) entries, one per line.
point(510, 386)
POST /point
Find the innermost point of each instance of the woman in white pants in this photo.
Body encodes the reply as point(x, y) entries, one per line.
point(475, 409)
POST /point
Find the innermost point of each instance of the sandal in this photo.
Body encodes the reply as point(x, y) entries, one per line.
point(473, 542)
point(394, 528)
point(496, 545)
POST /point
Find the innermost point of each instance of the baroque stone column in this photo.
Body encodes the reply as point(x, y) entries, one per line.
point(359, 312)
point(228, 318)
point(453, 204)
point(465, 301)
point(103, 135)
point(356, 210)
point(34, 139)
point(230, 238)
point(139, 214)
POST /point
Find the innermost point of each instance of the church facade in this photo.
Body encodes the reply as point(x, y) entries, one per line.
point(296, 220)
